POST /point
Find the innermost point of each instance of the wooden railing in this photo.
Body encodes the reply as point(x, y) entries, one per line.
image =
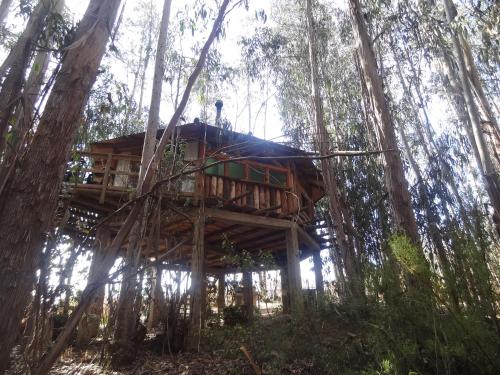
point(117, 173)
point(250, 195)
point(105, 171)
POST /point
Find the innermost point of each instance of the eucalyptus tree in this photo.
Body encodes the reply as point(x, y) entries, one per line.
point(4, 10)
point(113, 248)
point(126, 320)
point(29, 199)
point(15, 65)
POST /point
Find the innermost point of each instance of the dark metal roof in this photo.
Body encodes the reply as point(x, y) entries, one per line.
point(241, 144)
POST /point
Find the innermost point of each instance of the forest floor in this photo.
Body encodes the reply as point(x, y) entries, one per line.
point(151, 363)
point(277, 345)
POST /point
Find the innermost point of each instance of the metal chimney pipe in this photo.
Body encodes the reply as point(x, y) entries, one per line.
point(218, 106)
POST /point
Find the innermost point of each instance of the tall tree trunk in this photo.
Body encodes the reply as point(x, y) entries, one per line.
point(396, 183)
point(489, 169)
point(157, 298)
point(15, 65)
point(25, 112)
point(328, 169)
point(4, 10)
point(125, 322)
point(29, 200)
point(112, 250)
point(89, 325)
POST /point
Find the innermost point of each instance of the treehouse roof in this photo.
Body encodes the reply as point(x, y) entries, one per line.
point(241, 145)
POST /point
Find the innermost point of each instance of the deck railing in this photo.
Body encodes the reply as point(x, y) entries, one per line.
point(117, 174)
point(249, 195)
point(105, 172)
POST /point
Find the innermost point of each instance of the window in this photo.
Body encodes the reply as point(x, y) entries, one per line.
point(277, 178)
point(217, 170)
point(236, 171)
point(256, 174)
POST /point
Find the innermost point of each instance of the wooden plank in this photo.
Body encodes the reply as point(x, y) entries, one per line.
point(293, 268)
point(247, 219)
point(256, 199)
point(318, 272)
point(233, 189)
point(102, 197)
point(220, 187)
point(238, 193)
point(278, 201)
point(213, 186)
point(114, 156)
point(308, 240)
point(268, 197)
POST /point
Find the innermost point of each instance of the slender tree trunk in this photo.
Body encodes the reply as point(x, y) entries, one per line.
point(29, 200)
point(489, 170)
point(4, 10)
point(15, 65)
point(396, 183)
point(89, 325)
point(125, 322)
point(157, 299)
point(136, 209)
point(25, 112)
point(328, 169)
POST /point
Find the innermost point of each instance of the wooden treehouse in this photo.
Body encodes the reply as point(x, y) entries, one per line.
point(262, 202)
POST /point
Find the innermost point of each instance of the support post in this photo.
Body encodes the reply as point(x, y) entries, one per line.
point(285, 296)
point(157, 307)
point(88, 327)
point(197, 281)
point(248, 293)
point(293, 268)
point(221, 292)
point(318, 272)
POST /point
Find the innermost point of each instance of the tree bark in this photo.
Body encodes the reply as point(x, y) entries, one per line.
point(486, 164)
point(89, 325)
point(157, 307)
point(15, 65)
point(25, 112)
point(347, 252)
point(396, 183)
point(197, 281)
point(29, 200)
point(136, 209)
point(4, 10)
point(125, 322)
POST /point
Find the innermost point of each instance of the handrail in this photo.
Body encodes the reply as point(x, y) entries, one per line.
point(113, 156)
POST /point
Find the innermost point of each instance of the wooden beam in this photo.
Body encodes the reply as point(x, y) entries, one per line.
point(293, 268)
point(247, 219)
point(318, 272)
point(197, 281)
point(221, 294)
point(248, 293)
point(105, 179)
point(308, 240)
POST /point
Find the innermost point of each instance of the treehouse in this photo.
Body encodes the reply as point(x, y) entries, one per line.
point(251, 194)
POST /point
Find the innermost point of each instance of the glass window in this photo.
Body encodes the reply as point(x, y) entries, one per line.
point(236, 171)
point(277, 178)
point(256, 174)
point(217, 170)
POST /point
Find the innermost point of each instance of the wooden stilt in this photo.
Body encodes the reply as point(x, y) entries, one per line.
point(285, 297)
point(248, 293)
point(221, 290)
point(88, 327)
point(293, 267)
point(197, 282)
point(318, 272)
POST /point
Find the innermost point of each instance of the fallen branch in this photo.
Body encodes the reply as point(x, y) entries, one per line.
point(256, 368)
